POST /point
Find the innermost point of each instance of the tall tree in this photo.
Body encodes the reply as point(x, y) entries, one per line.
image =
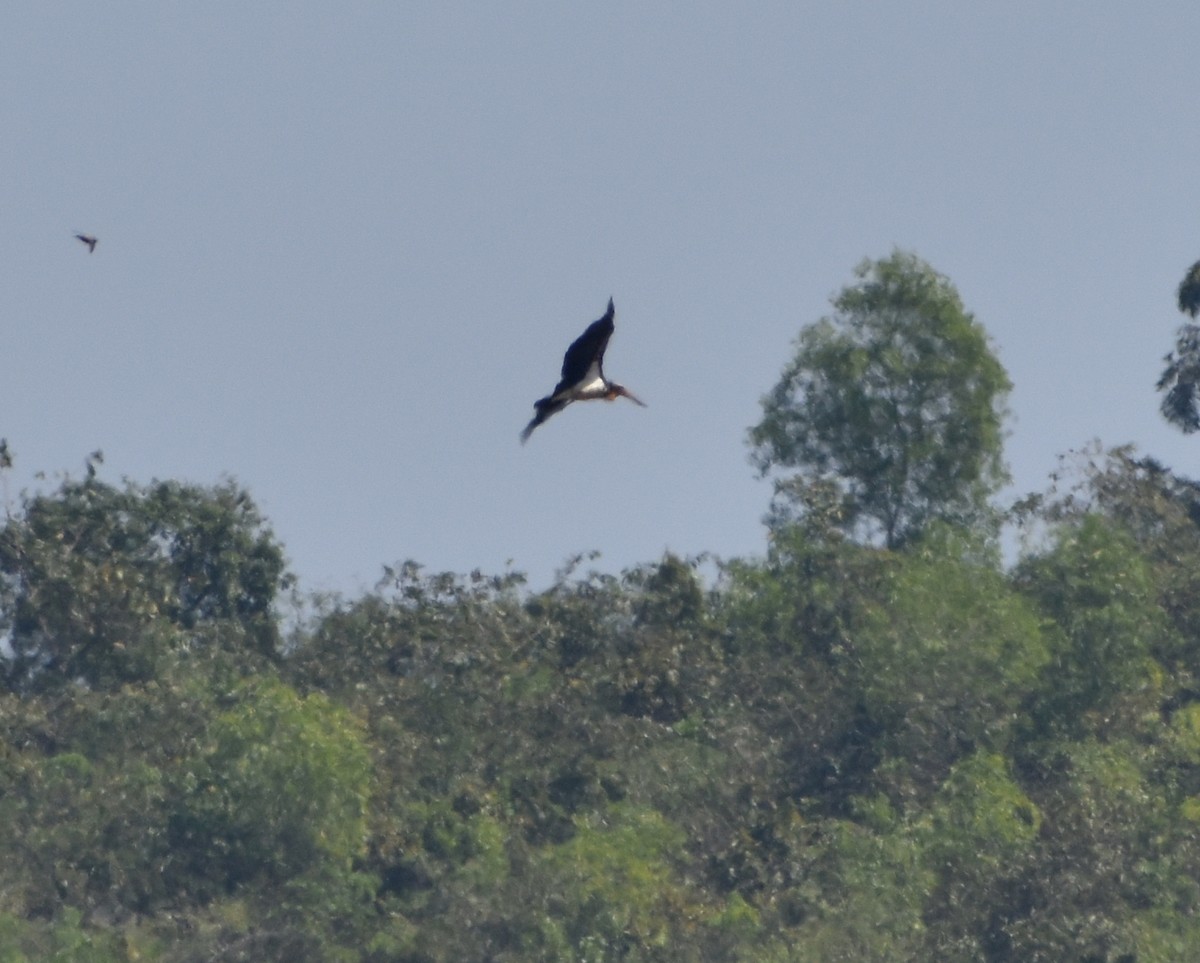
point(1181, 378)
point(896, 402)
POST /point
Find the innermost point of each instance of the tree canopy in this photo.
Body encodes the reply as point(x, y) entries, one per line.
point(896, 401)
point(1180, 381)
point(99, 583)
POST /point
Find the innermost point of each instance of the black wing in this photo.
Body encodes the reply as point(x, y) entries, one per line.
point(544, 408)
point(586, 349)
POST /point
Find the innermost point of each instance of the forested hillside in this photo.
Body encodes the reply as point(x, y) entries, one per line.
point(873, 743)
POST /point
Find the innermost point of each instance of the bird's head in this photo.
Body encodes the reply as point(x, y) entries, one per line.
point(616, 391)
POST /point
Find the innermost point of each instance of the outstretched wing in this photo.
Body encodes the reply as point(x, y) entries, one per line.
point(586, 352)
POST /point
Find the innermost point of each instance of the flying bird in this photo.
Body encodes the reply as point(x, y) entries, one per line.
point(582, 375)
point(89, 241)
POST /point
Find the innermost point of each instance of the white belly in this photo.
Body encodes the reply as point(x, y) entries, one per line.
point(596, 388)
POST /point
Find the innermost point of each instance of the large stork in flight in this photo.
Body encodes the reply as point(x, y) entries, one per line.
point(582, 375)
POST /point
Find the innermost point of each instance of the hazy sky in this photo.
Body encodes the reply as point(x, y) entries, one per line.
point(344, 246)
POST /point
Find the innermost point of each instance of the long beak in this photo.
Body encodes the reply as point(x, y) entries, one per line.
point(621, 390)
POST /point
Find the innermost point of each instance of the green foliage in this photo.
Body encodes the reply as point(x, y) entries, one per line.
point(797, 719)
point(1098, 591)
point(65, 940)
point(99, 584)
point(282, 787)
point(982, 820)
point(837, 752)
point(1160, 512)
point(80, 832)
point(895, 404)
point(1180, 380)
point(1188, 295)
point(613, 882)
point(982, 831)
point(1109, 840)
point(946, 658)
point(863, 896)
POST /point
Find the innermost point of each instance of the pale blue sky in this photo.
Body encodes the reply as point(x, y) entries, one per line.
point(344, 246)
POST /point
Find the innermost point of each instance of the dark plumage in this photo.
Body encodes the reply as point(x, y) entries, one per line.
point(582, 374)
point(89, 241)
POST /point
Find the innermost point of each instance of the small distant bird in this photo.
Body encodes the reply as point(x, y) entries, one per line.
point(89, 241)
point(582, 375)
